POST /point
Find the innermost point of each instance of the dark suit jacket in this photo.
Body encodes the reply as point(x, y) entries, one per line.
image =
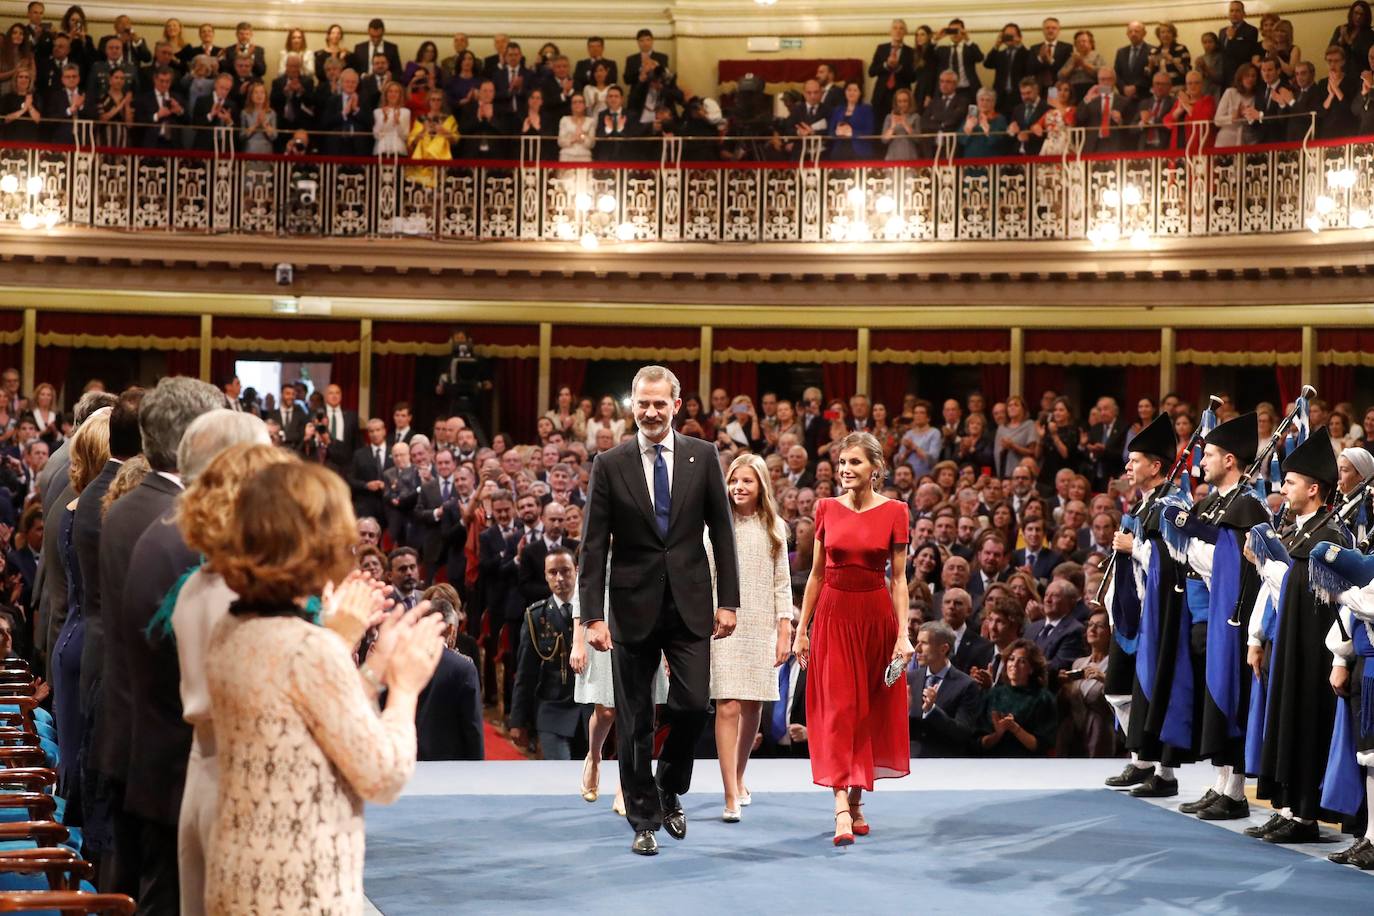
point(633, 63)
point(55, 117)
point(1155, 136)
point(1089, 116)
point(1240, 50)
point(543, 693)
point(204, 139)
point(1063, 644)
point(648, 564)
point(796, 715)
point(363, 469)
point(971, 55)
point(903, 76)
point(437, 538)
point(975, 584)
point(945, 731)
point(51, 589)
point(1273, 128)
point(159, 739)
point(947, 116)
point(341, 450)
point(231, 54)
point(86, 527)
point(448, 713)
point(1048, 74)
point(358, 124)
point(974, 651)
point(612, 150)
point(125, 522)
point(1111, 459)
point(1135, 74)
point(362, 57)
point(49, 75)
point(145, 111)
point(582, 74)
point(1045, 562)
point(469, 124)
point(305, 104)
point(1009, 64)
point(508, 101)
point(1025, 116)
point(1305, 103)
point(294, 435)
point(533, 587)
point(499, 575)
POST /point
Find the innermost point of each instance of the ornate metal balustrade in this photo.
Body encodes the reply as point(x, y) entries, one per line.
point(1103, 200)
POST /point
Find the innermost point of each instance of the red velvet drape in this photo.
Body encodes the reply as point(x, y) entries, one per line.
point(1290, 384)
point(222, 367)
point(1336, 384)
point(1141, 382)
point(516, 382)
point(344, 373)
point(570, 372)
point(995, 381)
point(1188, 381)
point(1040, 378)
point(889, 383)
point(838, 380)
point(393, 381)
point(184, 362)
point(12, 355)
point(735, 378)
point(50, 365)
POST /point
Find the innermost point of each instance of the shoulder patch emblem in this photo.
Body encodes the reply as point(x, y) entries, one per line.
point(1332, 553)
point(1180, 519)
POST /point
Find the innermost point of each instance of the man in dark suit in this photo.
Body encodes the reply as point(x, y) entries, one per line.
point(376, 44)
point(1024, 115)
point(345, 113)
point(214, 109)
point(448, 712)
point(512, 83)
point(437, 527)
point(808, 118)
point(1272, 100)
point(366, 472)
point(946, 109)
point(293, 99)
point(543, 679)
point(1106, 444)
point(343, 428)
point(1102, 113)
point(133, 49)
point(596, 54)
point(481, 126)
point(400, 491)
point(832, 92)
point(968, 649)
point(783, 721)
point(962, 55)
point(401, 418)
point(98, 79)
point(639, 66)
point(656, 495)
point(534, 585)
point(1238, 41)
point(989, 554)
point(291, 417)
point(162, 110)
point(893, 67)
point(797, 470)
point(1154, 135)
point(499, 577)
point(1058, 634)
point(1011, 62)
point(558, 88)
point(614, 126)
point(1036, 555)
point(372, 82)
point(1133, 63)
point(144, 831)
point(63, 106)
point(244, 46)
point(1048, 57)
point(50, 65)
point(1307, 100)
point(944, 701)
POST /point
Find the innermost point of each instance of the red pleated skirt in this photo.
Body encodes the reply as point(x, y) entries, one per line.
point(856, 725)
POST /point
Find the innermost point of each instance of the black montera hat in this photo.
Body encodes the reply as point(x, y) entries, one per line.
point(1315, 459)
point(1157, 440)
point(1239, 436)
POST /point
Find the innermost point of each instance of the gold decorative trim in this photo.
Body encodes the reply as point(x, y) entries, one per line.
point(11, 337)
point(733, 355)
point(412, 348)
point(266, 345)
point(1345, 358)
point(941, 357)
point(502, 351)
point(1217, 358)
point(1081, 358)
point(112, 341)
point(672, 354)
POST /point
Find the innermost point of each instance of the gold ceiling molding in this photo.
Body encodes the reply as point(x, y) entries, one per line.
point(734, 355)
point(1220, 358)
point(671, 354)
point(941, 357)
point(1086, 358)
point(108, 341)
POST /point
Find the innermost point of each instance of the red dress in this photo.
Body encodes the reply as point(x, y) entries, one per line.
point(856, 725)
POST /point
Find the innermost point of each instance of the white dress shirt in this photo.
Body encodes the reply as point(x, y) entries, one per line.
point(648, 457)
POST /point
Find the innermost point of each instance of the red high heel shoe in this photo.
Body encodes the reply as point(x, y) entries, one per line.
point(845, 838)
point(856, 817)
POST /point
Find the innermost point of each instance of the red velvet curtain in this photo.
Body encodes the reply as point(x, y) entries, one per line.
point(889, 383)
point(1141, 382)
point(184, 362)
point(1336, 384)
point(344, 373)
point(222, 367)
point(570, 372)
point(735, 378)
point(995, 382)
point(1188, 381)
point(393, 381)
point(517, 388)
point(50, 365)
point(1038, 379)
point(1290, 384)
point(838, 380)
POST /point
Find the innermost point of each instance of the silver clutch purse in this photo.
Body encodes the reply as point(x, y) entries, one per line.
point(893, 671)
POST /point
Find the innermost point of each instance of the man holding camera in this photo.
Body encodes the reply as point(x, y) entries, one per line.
point(291, 418)
point(1012, 62)
point(962, 55)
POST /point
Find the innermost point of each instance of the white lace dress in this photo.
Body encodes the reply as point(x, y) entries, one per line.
point(594, 685)
point(742, 663)
point(301, 747)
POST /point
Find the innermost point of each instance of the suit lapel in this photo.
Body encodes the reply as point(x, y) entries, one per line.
point(631, 466)
point(684, 471)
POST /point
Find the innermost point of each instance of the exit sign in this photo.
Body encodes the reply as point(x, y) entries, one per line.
point(791, 44)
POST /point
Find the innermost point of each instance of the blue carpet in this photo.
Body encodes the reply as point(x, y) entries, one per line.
point(1081, 852)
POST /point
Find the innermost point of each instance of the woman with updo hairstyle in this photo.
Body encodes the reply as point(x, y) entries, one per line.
point(89, 450)
point(856, 724)
point(300, 742)
point(744, 664)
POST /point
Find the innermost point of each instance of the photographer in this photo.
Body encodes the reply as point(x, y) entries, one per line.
point(1012, 62)
point(962, 55)
point(317, 441)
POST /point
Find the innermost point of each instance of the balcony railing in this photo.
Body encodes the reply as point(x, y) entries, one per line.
point(1104, 199)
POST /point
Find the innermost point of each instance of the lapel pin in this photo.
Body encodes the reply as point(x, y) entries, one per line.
point(691, 458)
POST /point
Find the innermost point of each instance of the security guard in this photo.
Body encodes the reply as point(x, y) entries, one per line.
point(543, 695)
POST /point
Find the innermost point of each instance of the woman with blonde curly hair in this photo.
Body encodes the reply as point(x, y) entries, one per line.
point(300, 742)
point(743, 664)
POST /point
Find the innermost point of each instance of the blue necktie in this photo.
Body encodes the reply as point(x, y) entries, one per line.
point(777, 726)
point(662, 501)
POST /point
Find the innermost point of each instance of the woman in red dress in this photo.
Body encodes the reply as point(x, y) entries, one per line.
point(857, 725)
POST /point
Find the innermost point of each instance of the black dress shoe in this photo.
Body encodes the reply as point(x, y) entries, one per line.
point(644, 844)
point(1363, 858)
point(1291, 831)
point(1345, 855)
point(1156, 786)
point(1275, 822)
point(1225, 808)
point(1131, 776)
point(1193, 807)
point(674, 818)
